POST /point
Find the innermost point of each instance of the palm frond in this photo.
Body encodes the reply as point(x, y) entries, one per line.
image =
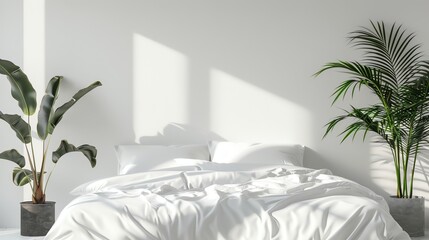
point(361, 75)
point(365, 119)
point(391, 51)
point(394, 70)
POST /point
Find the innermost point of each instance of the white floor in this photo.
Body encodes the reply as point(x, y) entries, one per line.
point(14, 234)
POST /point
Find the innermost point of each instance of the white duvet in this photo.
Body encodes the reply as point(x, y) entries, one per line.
point(280, 203)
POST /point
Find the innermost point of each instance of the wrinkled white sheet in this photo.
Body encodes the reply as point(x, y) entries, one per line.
point(267, 204)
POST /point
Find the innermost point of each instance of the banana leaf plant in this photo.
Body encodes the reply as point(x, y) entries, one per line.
point(393, 69)
point(48, 119)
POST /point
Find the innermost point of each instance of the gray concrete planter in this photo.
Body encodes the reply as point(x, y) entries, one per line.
point(37, 219)
point(409, 213)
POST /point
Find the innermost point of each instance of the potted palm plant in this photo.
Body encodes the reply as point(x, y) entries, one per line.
point(393, 69)
point(38, 215)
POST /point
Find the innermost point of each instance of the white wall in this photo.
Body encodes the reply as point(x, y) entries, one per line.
point(11, 49)
point(182, 72)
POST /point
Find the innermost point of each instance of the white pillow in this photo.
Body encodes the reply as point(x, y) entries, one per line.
point(141, 158)
point(256, 153)
point(237, 167)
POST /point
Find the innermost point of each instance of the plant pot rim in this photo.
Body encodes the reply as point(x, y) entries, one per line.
point(414, 197)
point(30, 202)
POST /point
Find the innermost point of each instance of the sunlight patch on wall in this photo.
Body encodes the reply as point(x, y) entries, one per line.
point(34, 62)
point(242, 109)
point(34, 44)
point(160, 86)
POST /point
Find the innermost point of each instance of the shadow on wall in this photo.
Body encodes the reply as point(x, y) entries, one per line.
point(422, 169)
point(383, 173)
point(313, 159)
point(177, 133)
point(383, 170)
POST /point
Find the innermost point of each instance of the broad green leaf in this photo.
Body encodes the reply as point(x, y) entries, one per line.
point(22, 90)
point(21, 128)
point(14, 156)
point(21, 176)
point(46, 107)
point(59, 113)
point(89, 151)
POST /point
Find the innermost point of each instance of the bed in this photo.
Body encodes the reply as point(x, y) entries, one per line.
point(226, 194)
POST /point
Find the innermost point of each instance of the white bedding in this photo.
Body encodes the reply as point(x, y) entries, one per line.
point(280, 203)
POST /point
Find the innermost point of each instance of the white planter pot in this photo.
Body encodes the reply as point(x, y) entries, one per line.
point(409, 213)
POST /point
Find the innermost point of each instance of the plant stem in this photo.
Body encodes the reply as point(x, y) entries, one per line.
point(418, 143)
point(42, 168)
point(407, 155)
point(30, 160)
point(412, 171)
point(404, 165)
point(29, 157)
point(49, 177)
point(398, 171)
point(32, 149)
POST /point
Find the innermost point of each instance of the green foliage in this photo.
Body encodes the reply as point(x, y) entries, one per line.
point(14, 156)
point(21, 128)
point(392, 68)
point(22, 90)
point(46, 106)
point(58, 115)
point(88, 151)
point(21, 176)
point(48, 119)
